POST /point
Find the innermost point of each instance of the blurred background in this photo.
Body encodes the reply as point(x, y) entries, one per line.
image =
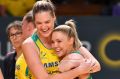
point(98, 26)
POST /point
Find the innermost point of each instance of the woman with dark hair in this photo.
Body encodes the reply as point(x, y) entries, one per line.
point(40, 57)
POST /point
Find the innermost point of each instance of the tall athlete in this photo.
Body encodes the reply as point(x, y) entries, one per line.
point(40, 57)
point(28, 27)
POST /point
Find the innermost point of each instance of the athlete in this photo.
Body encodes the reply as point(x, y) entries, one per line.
point(28, 27)
point(70, 50)
point(40, 57)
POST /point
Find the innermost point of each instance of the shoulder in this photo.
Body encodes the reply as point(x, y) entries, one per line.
point(73, 56)
point(28, 42)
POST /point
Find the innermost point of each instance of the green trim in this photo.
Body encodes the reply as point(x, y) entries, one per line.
point(35, 38)
point(90, 77)
point(27, 71)
point(78, 52)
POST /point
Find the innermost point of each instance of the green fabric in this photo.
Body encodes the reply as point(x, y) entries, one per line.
point(78, 52)
point(90, 77)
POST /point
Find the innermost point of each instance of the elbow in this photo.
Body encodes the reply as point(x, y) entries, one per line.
point(97, 67)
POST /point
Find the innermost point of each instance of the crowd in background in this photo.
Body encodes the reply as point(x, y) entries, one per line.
point(20, 7)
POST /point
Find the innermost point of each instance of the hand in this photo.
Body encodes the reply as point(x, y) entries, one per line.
point(85, 66)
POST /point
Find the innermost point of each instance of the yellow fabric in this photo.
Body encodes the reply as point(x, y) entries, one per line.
point(17, 7)
point(21, 69)
point(48, 57)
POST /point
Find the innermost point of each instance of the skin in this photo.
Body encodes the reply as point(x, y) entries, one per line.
point(63, 46)
point(1, 75)
point(44, 28)
point(27, 28)
point(16, 41)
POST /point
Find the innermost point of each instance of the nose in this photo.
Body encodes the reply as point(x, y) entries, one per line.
point(44, 26)
point(54, 45)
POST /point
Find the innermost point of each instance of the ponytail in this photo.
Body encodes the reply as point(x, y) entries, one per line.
point(71, 23)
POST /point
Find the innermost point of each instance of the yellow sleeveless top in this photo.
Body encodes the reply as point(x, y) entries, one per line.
point(47, 56)
point(21, 70)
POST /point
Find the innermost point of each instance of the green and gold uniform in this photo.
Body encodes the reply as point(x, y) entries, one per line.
point(47, 56)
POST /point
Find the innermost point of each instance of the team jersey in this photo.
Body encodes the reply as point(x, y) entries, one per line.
point(47, 56)
point(21, 70)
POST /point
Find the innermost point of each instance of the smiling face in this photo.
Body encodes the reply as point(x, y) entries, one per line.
point(44, 23)
point(61, 43)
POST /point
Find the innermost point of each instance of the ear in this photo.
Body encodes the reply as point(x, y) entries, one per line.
point(71, 41)
point(54, 18)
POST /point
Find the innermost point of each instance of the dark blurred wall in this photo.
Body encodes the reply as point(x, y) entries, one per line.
point(100, 35)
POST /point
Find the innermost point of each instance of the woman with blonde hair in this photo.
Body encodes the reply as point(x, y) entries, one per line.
point(38, 52)
point(68, 47)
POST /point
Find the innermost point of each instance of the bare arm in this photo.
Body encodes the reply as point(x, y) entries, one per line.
point(38, 70)
point(1, 75)
point(71, 61)
point(96, 65)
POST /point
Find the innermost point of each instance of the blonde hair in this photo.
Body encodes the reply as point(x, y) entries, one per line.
point(69, 28)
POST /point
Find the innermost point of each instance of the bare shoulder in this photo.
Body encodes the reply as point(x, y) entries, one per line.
point(82, 48)
point(28, 44)
point(28, 41)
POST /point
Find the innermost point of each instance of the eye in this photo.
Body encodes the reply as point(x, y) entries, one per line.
point(47, 22)
point(52, 42)
point(59, 41)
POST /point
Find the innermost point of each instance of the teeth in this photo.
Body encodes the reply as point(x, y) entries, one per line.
point(44, 30)
point(57, 50)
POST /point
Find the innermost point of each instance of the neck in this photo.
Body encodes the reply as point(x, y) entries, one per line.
point(18, 52)
point(71, 50)
point(46, 41)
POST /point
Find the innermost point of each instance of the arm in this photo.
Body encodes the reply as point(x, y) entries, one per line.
point(1, 75)
point(96, 65)
point(70, 61)
point(36, 67)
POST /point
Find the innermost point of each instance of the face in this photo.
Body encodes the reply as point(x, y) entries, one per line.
point(61, 43)
point(16, 37)
point(27, 28)
point(44, 23)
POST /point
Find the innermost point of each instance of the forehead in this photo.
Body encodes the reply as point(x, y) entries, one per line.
point(42, 16)
point(59, 34)
point(14, 29)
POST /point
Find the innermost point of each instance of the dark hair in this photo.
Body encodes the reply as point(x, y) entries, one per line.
point(15, 24)
point(29, 16)
point(43, 6)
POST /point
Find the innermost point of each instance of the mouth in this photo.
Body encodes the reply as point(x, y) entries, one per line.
point(58, 51)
